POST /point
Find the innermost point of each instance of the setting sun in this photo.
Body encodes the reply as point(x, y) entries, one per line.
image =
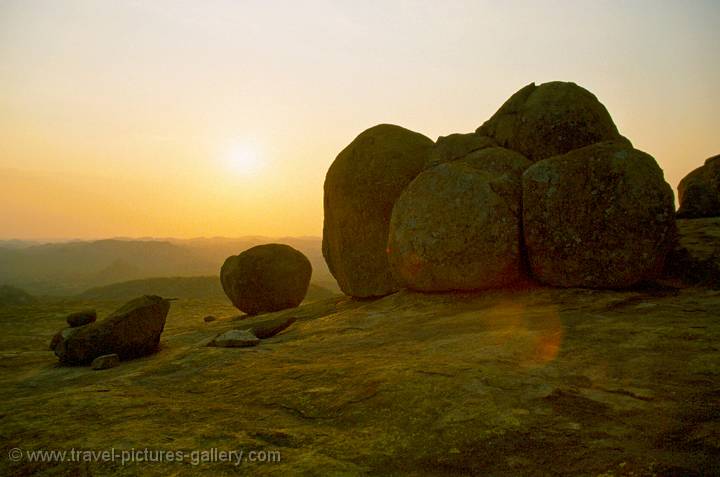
point(244, 105)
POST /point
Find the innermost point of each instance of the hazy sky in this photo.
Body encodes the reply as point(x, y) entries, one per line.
point(206, 117)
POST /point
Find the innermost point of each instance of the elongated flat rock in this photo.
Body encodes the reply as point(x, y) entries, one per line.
point(235, 339)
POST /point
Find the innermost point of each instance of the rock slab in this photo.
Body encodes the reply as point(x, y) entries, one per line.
point(235, 339)
point(269, 328)
point(130, 332)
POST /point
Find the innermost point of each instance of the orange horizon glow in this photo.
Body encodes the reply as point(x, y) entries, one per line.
point(187, 119)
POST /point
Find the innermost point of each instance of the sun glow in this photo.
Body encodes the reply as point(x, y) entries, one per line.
point(243, 160)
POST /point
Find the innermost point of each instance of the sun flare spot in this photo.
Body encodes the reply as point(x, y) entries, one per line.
point(243, 160)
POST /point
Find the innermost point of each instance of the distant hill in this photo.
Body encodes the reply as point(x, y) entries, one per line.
point(178, 287)
point(68, 268)
point(10, 295)
point(15, 244)
point(65, 269)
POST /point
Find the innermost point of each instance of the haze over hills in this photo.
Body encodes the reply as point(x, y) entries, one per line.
point(206, 287)
point(10, 295)
point(70, 268)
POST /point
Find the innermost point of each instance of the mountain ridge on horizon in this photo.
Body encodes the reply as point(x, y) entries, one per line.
point(68, 268)
point(13, 242)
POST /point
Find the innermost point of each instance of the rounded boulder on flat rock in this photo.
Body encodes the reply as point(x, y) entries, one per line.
point(598, 217)
point(266, 278)
point(361, 188)
point(457, 225)
point(550, 119)
point(699, 191)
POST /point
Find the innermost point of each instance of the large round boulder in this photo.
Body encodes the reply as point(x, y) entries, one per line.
point(550, 119)
point(457, 225)
point(266, 278)
point(598, 217)
point(131, 331)
point(699, 191)
point(361, 188)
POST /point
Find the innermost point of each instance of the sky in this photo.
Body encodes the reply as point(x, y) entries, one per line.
point(221, 117)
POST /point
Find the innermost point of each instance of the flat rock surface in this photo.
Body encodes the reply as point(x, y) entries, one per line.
point(536, 381)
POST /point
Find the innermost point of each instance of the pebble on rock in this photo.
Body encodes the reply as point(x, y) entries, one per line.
point(105, 361)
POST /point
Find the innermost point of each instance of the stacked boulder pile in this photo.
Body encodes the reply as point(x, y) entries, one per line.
point(547, 188)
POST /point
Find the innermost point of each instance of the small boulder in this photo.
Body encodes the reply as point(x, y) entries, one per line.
point(80, 318)
point(699, 191)
point(235, 339)
point(266, 278)
point(209, 318)
point(598, 217)
point(361, 188)
point(550, 119)
point(456, 146)
point(457, 225)
point(269, 328)
point(131, 331)
point(105, 361)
